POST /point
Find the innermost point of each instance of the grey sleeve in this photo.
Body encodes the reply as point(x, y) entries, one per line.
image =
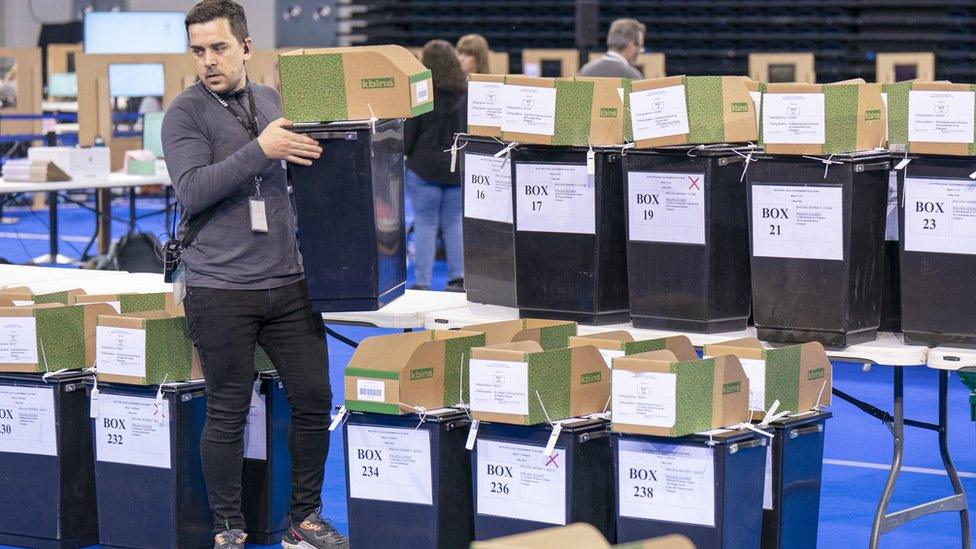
point(198, 180)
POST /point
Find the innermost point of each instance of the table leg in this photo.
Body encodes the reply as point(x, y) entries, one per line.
point(103, 199)
point(898, 433)
point(947, 459)
point(52, 216)
point(132, 209)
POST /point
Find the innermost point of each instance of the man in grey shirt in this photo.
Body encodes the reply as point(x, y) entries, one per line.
point(625, 42)
point(225, 144)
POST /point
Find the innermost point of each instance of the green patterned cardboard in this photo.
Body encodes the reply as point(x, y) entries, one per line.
point(262, 362)
point(783, 377)
point(898, 112)
point(841, 111)
point(556, 337)
point(628, 123)
point(137, 303)
point(457, 360)
point(60, 338)
point(56, 297)
point(313, 87)
point(573, 103)
point(704, 97)
point(696, 379)
point(168, 350)
point(647, 345)
point(550, 373)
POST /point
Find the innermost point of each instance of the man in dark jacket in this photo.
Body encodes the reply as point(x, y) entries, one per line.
point(625, 42)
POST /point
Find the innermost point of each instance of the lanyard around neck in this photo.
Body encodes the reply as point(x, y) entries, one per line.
point(250, 122)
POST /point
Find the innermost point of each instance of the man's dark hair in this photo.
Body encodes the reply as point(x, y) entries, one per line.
point(208, 10)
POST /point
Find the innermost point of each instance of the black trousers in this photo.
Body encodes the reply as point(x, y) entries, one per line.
point(225, 325)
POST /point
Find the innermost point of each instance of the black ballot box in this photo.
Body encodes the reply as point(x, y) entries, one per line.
point(350, 206)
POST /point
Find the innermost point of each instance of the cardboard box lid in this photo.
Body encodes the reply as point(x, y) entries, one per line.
point(392, 353)
point(577, 536)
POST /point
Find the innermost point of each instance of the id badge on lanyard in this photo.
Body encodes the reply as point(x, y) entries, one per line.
point(259, 217)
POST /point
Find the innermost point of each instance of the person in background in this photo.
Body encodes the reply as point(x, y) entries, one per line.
point(625, 42)
point(472, 52)
point(434, 191)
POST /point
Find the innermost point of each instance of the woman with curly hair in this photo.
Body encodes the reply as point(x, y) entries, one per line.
point(435, 192)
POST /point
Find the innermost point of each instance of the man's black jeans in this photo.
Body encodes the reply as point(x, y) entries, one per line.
point(225, 325)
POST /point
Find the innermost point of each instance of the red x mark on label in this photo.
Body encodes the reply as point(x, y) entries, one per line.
point(694, 183)
point(552, 461)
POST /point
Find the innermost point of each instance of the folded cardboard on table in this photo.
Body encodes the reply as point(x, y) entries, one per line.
point(401, 373)
point(621, 343)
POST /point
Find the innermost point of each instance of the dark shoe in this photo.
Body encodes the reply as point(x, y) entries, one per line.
point(419, 287)
point(456, 285)
point(314, 533)
point(231, 539)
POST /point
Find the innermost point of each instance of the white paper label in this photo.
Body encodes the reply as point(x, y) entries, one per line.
point(884, 99)
point(941, 116)
point(128, 430)
point(256, 430)
point(389, 464)
point(487, 188)
point(499, 386)
point(555, 198)
point(518, 481)
point(23, 302)
point(666, 482)
point(756, 372)
point(796, 221)
point(422, 91)
point(661, 112)
point(530, 109)
point(27, 421)
point(768, 482)
point(644, 398)
point(793, 118)
point(610, 354)
point(940, 215)
point(18, 340)
point(891, 222)
point(756, 103)
point(372, 390)
point(120, 351)
point(486, 106)
point(115, 305)
point(666, 207)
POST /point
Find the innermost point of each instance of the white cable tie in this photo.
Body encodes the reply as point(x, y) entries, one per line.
point(472, 434)
point(372, 117)
point(158, 403)
point(45, 377)
point(93, 398)
point(590, 161)
point(820, 395)
point(340, 415)
point(43, 354)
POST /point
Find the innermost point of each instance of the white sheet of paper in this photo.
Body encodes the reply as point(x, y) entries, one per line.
point(941, 116)
point(793, 118)
point(756, 372)
point(121, 351)
point(530, 109)
point(940, 215)
point(256, 430)
point(891, 221)
point(666, 482)
point(644, 398)
point(18, 340)
point(128, 430)
point(389, 464)
point(797, 221)
point(555, 198)
point(487, 188)
point(660, 112)
point(610, 354)
point(884, 99)
point(518, 481)
point(371, 390)
point(486, 105)
point(499, 386)
point(27, 420)
point(666, 207)
point(756, 104)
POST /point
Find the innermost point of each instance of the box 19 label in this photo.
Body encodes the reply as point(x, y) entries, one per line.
point(27, 421)
point(666, 207)
point(487, 188)
point(803, 222)
point(518, 481)
point(389, 464)
point(666, 482)
point(940, 215)
point(555, 198)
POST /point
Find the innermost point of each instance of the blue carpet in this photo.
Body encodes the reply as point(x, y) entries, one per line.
point(850, 490)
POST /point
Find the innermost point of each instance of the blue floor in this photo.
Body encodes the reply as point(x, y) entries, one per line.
point(858, 447)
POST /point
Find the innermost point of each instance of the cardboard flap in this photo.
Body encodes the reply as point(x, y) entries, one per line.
point(681, 347)
point(608, 344)
point(96, 298)
point(655, 83)
point(151, 315)
point(27, 310)
point(538, 82)
point(655, 358)
point(577, 536)
point(389, 353)
point(6, 302)
point(794, 88)
point(496, 78)
point(730, 396)
point(673, 541)
point(115, 320)
point(506, 351)
point(617, 335)
point(19, 293)
point(747, 347)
